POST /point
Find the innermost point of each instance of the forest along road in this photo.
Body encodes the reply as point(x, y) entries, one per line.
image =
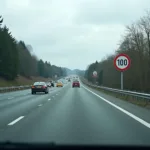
point(72, 116)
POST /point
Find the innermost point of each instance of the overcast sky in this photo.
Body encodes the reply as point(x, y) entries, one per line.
point(71, 33)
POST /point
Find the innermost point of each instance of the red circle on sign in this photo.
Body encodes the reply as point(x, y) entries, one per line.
point(94, 74)
point(129, 62)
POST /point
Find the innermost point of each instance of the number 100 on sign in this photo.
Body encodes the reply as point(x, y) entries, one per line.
point(122, 62)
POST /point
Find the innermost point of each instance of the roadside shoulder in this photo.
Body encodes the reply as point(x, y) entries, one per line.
point(141, 112)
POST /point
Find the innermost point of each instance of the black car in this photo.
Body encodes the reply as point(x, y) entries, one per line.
point(52, 83)
point(48, 84)
point(39, 87)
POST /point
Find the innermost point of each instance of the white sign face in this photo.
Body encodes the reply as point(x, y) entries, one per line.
point(95, 74)
point(122, 62)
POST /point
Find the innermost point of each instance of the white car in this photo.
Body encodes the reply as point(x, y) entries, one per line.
point(49, 84)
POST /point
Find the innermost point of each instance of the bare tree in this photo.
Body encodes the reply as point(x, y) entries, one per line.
point(145, 26)
point(135, 43)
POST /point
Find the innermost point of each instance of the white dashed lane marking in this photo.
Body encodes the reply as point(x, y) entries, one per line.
point(15, 121)
point(40, 105)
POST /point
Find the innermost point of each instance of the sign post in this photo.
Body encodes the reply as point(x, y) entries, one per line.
point(121, 80)
point(122, 62)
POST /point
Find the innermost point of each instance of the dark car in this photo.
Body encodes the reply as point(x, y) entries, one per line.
point(76, 83)
point(39, 87)
point(49, 84)
point(52, 83)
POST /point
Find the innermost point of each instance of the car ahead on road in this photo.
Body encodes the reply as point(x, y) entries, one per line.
point(49, 84)
point(52, 83)
point(59, 84)
point(75, 83)
point(39, 87)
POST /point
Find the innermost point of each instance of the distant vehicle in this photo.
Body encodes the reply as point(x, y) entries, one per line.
point(59, 84)
point(52, 83)
point(39, 87)
point(76, 83)
point(69, 80)
point(49, 84)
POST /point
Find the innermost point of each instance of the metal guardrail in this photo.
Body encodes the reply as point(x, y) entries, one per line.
point(14, 88)
point(123, 92)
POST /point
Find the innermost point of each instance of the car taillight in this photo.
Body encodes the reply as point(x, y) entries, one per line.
point(33, 87)
point(43, 87)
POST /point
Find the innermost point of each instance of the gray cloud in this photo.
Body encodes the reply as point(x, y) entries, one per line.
point(71, 33)
point(111, 11)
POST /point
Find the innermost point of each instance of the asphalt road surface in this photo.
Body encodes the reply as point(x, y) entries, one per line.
point(72, 116)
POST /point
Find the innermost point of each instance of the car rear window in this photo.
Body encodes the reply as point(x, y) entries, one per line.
point(39, 83)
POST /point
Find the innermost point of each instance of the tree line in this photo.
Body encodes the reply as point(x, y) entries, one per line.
point(16, 59)
point(136, 44)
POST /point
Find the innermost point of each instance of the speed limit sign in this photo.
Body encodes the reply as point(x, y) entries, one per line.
point(95, 74)
point(122, 62)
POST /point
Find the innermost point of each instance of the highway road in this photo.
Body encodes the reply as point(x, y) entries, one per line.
point(72, 116)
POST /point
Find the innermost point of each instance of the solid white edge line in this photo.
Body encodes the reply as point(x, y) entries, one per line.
point(121, 109)
point(15, 121)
